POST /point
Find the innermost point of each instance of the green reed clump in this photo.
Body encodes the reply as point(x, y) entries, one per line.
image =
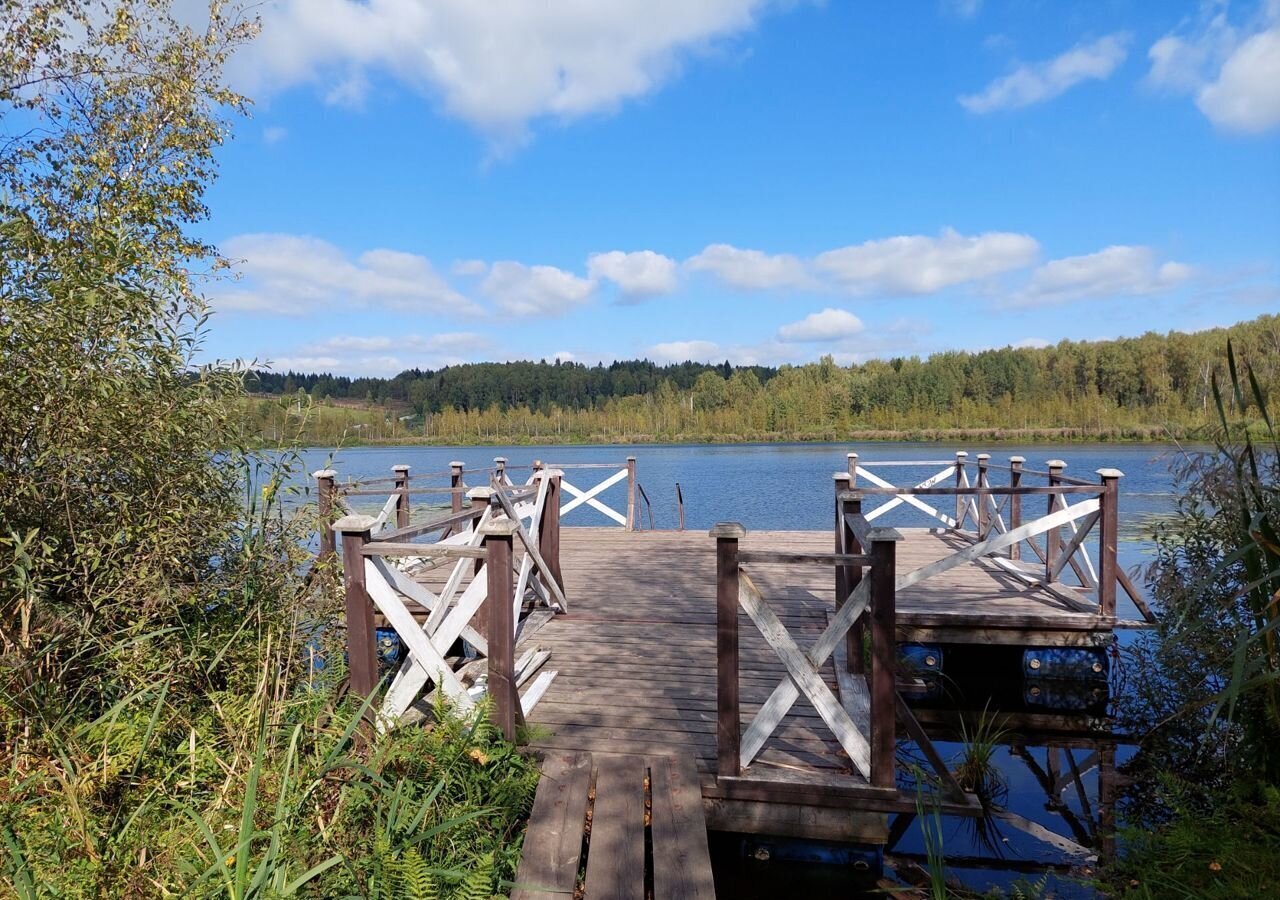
point(1202, 805)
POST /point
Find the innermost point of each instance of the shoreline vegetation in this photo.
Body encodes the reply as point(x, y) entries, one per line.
point(1153, 388)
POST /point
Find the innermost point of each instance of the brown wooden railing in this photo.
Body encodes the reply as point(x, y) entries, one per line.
point(991, 518)
point(505, 546)
point(864, 723)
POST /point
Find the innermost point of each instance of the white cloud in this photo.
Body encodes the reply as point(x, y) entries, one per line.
point(1245, 96)
point(564, 356)
point(385, 355)
point(751, 269)
point(964, 9)
point(827, 325)
point(681, 351)
point(303, 363)
point(496, 64)
point(1031, 343)
point(1117, 271)
point(469, 267)
point(1233, 73)
point(638, 275)
point(1037, 82)
point(918, 264)
point(535, 290)
point(298, 275)
point(274, 134)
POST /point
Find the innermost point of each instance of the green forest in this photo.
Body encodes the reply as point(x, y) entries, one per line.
point(1152, 387)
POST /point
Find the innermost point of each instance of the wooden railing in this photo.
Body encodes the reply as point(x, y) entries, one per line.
point(503, 548)
point(991, 518)
point(863, 723)
point(332, 495)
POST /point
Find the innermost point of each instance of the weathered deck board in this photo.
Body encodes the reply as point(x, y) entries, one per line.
point(636, 654)
point(553, 843)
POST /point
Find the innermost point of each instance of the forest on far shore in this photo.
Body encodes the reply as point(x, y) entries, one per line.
point(1149, 387)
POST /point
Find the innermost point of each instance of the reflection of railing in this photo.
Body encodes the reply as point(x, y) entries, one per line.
point(990, 517)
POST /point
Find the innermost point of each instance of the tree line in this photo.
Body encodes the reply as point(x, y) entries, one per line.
point(1143, 387)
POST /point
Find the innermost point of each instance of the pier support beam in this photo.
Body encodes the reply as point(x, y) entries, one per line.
point(728, 714)
point(499, 537)
point(325, 496)
point(884, 655)
point(402, 502)
point(362, 653)
point(1108, 526)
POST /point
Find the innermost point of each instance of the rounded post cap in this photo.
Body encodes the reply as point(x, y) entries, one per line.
point(400, 468)
point(480, 493)
point(727, 530)
point(324, 473)
point(537, 464)
point(500, 526)
point(500, 459)
point(549, 473)
point(851, 455)
point(961, 454)
point(983, 457)
point(1017, 460)
point(1056, 464)
point(631, 459)
point(1110, 473)
point(456, 464)
point(354, 524)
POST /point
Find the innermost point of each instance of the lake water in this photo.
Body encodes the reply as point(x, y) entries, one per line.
point(789, 486)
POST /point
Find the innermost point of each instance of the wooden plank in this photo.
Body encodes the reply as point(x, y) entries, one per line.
point(681, 856)
point(615, 855)
point(553, 841)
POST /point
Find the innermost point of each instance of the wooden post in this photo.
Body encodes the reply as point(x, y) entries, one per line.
point(325, 493)
point(549, 527)
point(1015, 501)
point(479, 497)
point(1106, 803)
point(631, 493)
point(500, 470)
point(362, 653)
point(402, 502)
point(499, 536)
point(849, 503)
point(884, 653)
point(853, 468)
point(984, 504)
point(960, 455)
point(1108, 526)
point(1051, 540)
point(728, 716)
point(455, 482)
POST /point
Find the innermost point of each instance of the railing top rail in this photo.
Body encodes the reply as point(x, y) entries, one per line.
point(621, 465)
point(1065, 479)
point(412, 531)
point(402, 548)
point(875, 463)
point(1087, 487)
point(791, 556)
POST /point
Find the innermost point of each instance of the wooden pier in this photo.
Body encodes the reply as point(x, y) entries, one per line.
point(763, 663)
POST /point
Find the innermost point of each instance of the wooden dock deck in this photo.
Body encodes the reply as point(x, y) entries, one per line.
point(765, 660)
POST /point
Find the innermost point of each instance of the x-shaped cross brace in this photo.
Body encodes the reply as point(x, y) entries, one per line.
point(802, 675)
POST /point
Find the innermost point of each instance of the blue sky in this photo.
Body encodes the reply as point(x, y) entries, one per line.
point(427, 182)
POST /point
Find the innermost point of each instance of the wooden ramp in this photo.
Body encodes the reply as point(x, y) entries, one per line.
point(608, 826)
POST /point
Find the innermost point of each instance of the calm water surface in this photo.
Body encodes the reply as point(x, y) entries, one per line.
point(788, 486)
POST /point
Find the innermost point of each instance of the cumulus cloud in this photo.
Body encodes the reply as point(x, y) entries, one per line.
point(1117, 271)
point(683, 351)
point(1031, 343)
point(827, 325)
point(535, 290)
point(298, 275)
point(750, 269)
point(1233, 73)
point(384, 354)
point(638, 275)
point(918, 264)
point(1032, 83)
point(496, 64)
